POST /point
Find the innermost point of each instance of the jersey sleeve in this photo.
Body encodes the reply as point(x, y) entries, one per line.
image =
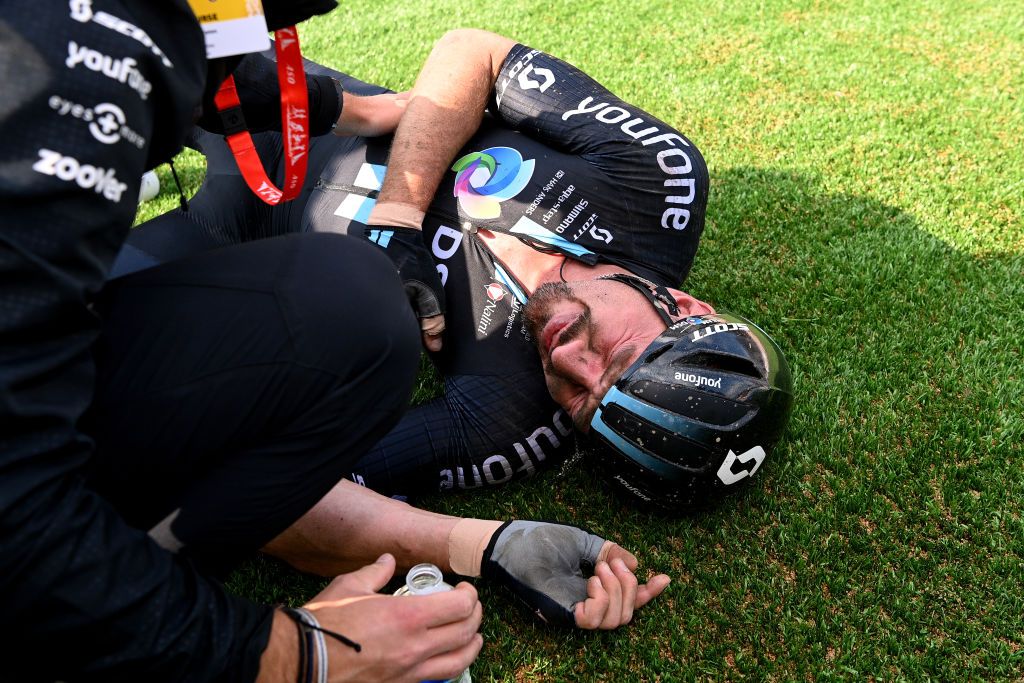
point(85, 596)
point(556, 103)
point(485, 431)
point(656, 179)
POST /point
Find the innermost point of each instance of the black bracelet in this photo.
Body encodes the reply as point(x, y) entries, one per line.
point(306, 645)
point(339, 637)
point(333, 634)
point(311, 643)
point(307, 676)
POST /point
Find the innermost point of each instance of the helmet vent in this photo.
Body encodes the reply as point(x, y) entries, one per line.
point(656, 353)
point(674, 449)
point(709, 408)
point(721, 363)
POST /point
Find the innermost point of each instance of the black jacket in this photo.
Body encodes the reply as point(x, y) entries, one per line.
point(96, 92)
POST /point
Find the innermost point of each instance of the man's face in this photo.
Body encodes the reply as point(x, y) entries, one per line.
point(588, 332)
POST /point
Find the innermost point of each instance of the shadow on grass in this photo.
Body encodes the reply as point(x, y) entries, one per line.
point(884, 537)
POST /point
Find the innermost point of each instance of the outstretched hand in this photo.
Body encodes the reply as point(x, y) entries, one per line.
point(544, 564)
point(408, 639)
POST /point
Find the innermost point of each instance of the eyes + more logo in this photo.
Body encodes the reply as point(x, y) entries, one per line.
point(485, 179)
point(106, 121)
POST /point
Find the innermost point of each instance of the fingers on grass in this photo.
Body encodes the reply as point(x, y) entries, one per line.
point(628, 583)
point(590, 612)
point(652, 589)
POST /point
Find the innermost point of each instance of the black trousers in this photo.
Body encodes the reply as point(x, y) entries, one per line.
point(237, 386)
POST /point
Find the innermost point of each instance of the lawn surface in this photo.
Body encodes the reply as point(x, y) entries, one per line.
point(866, 209)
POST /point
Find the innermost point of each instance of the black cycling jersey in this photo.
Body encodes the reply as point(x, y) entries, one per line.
point(560, 163)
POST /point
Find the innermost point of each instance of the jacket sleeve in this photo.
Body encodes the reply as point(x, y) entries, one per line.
point(85, 596)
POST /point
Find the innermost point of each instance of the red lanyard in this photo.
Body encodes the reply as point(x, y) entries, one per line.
point(294, 124)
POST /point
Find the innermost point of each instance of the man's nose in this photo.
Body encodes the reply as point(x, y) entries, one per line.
point(576, 362)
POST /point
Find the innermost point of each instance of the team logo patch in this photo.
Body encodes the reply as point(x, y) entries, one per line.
point(495, 292)
point(485, 179)
point(755, 455)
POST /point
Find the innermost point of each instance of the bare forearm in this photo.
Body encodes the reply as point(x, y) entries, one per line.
point(444, 110)
point(352, 526)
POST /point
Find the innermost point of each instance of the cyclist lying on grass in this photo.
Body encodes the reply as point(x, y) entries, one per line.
point(560, 184)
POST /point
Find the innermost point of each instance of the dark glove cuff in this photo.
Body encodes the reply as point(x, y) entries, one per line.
point(490, 570)
point(326, 101)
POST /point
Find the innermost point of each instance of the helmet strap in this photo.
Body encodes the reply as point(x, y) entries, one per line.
point(654, 293)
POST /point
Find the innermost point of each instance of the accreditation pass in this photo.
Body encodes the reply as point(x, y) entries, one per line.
point(232, 27)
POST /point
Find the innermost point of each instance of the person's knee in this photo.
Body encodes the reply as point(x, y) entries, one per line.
point(346, 307)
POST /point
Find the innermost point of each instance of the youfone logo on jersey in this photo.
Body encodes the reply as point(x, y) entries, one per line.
point(124, 70)
point(485, 179)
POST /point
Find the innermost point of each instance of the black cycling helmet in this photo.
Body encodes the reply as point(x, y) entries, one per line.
point(694, 417)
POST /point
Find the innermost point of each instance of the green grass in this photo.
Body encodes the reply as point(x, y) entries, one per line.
point(866, 208)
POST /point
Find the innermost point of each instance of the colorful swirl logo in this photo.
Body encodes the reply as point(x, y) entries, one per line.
point(485, 179)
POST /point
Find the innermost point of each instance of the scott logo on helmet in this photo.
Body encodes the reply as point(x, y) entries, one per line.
point(725, 472)
point(715, 329)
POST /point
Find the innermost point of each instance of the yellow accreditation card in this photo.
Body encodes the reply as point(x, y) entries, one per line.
point(232, 27)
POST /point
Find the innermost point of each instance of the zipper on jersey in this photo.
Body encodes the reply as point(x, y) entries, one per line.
point(322, 184)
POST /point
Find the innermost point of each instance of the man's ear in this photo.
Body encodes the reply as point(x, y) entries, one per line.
point(689, 305)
